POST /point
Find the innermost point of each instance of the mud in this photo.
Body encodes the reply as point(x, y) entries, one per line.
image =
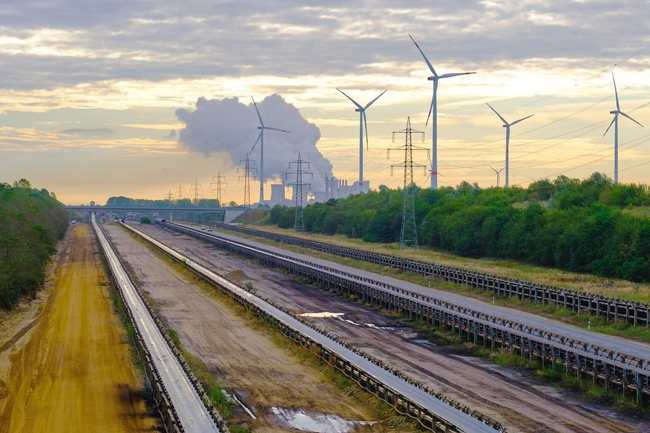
point(521, 403)
point(65, 365)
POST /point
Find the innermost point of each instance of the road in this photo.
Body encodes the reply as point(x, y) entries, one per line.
point(72, 370)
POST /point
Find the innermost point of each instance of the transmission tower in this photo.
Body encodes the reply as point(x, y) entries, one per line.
point(247, 218)
point(299, 224)
point(180, 193)
point(221, 186)
point(169, 197)
point(196, 191)
point(409, 233)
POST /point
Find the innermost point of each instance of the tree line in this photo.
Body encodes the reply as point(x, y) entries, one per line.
point(590, 225)
point(31, 223)
point(181, 203)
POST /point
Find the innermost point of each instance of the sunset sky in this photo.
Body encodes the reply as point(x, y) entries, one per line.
point(95, 96)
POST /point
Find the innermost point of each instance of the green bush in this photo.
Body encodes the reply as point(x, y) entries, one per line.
point(31, 223)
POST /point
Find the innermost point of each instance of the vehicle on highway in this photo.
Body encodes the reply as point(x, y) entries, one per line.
point(203, 228)
point(209, 229)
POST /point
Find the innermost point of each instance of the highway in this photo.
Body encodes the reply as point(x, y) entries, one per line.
point(460, 420)
point(614, 344)
point(190, 410)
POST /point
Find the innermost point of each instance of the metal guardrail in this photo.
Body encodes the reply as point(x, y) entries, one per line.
point(634, 313)
point(611, 367)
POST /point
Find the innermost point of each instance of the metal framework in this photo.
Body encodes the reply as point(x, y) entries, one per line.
point(409, 233)
point(247, 218)
point(221, 186)
point(196, 191)
point(299, 224)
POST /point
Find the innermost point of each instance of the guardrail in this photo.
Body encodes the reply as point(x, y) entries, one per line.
point(634, 313)
point(602, 365)
point(171, 420)
point(342, 356)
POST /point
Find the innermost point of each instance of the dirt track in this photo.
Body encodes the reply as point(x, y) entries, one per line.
point(242, 359)
point(521, 404)
point(66, 367)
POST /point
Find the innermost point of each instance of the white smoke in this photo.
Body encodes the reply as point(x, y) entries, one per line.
point(228, 126)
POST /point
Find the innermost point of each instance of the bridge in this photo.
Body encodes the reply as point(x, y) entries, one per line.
point(225, 214)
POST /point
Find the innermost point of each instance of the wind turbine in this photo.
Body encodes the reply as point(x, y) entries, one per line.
point(615, 123)
point(362, 122)
point(498, 172)
point(434, 108)
point(507, 126)
point(260, 138)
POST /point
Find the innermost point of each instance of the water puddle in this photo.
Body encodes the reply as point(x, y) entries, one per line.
point(314, 422)
point(323, 314)
point(422, 341)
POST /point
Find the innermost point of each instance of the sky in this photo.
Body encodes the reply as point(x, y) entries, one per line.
point(150, 98)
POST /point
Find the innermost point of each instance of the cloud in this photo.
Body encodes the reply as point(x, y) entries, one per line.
point(88, 131)
point(226, 126)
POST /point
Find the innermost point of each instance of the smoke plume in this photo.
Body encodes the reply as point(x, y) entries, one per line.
point(228, 126)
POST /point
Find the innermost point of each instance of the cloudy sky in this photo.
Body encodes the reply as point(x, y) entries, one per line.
point(140, 98)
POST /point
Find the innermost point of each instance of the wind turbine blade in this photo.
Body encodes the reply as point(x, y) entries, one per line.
point(258, 139)
point(365, 123)
point(430, 110)
point(425, 57)
point(277, 129)
point(623, 114)
point(610, 125)
point(455, 74)
point(618, 107)
point(521, 120)
point(353, 101)
point(373, 101)
point(495, 112)
point(258, 112)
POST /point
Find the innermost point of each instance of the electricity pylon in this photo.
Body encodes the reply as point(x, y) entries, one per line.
point(247, 218)
point(409, 233)
point(299, 223)
point(221, 185)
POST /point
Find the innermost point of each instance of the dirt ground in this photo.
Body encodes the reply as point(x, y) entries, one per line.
point(268, 379)
point(65, 365)
point(520, 403)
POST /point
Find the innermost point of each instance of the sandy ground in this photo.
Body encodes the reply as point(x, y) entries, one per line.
point(65, 365)
point(520, 403)
point(242, 359)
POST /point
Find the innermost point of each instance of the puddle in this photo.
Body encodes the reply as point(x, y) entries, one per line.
point(422, 341)
point(308, 421)
point(323, 314)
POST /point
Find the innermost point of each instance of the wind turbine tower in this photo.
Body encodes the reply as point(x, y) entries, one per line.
point(615, 123)
point(507, 126)
point(260, 138)
point(363, 123)
point(498, 173)
point(434, 108)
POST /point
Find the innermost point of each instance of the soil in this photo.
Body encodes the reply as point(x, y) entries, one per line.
point(267, 378)
point(65, 365)
point(519, 402)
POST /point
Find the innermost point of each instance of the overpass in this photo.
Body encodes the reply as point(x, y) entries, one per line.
point(225, 214)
